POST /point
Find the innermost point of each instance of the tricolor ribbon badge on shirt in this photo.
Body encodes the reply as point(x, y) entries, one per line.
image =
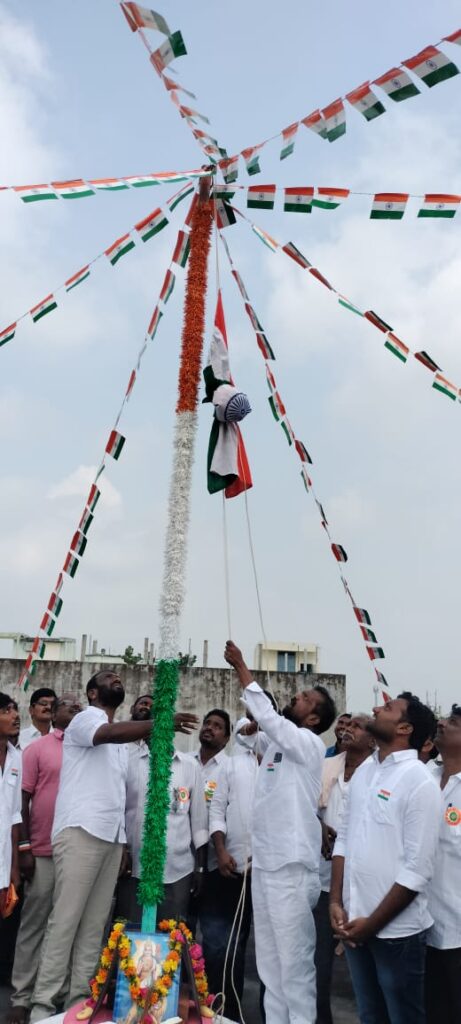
point(384, 794)
point(452, 815)
point(209, 790)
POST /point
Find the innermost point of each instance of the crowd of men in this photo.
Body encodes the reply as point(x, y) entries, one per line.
point(352, 850)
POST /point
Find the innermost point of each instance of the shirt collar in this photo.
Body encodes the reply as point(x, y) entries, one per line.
point(58, 733)
point(396, 756)
point(212, 760)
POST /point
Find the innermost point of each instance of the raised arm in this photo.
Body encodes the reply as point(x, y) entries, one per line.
point(129, 732)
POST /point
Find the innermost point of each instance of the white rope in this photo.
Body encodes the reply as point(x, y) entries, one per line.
point(226, 567)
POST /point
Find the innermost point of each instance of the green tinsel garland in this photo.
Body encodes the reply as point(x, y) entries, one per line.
point(153, 852)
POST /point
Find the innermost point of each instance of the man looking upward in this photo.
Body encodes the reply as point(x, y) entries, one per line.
point(41, 707)
point(286, 843)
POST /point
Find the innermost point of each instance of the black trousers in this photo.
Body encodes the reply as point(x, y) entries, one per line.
point(443, 986)
point(324, 955)
point(218, 905)
point(175, 902)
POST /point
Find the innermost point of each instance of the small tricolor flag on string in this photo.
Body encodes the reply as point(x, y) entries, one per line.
point(270, 379)
point(70, 565)
point(58, 585)
point(78, 543)
point(347, 304)
point(251, 158)
point(437, 204)
point(167, 286)
point(119, 248)
point(389, 205)
point(277, 406)
point(397, 85)
point(265, 238)
point(316, 123)
point(322, 512)
point(230, 168)
point(108, 184)
point(323, 280)
point(339, 552)
point(254, 319)
point(306, 479)
point(179, 196)
point(425, 359)
point(291, 250)
point(38, 647)
point(154, 322)
point(335, 120)
point(77, 278)
point(55, 604)
point(362, 616)
point(171, 85)
point(375, 652)
point(8, 334)
point(329, 198)
point(143, 17)
point(366, 101)
point(288, 140)
point(381, 679)
point(303, 452)
point(151, 225)
point(225, 215)
point(77, 189)
point(182, 249)
point(431, 66)
point(241, 286)
point(173, 47)
point(47, 624)
point(298, 200)
point(141, 180)
point(130, 385)
point(288, 431)
point(92, 499)
point(85, 521)
point(261, 197)
point(34, 193)
point(397, 347)
point(455, 37)
point(445, 386)
point(264, 346)
point(115, 444)
point(192, 115)
point(377, 321)
point(43, 307)
point(368, 635)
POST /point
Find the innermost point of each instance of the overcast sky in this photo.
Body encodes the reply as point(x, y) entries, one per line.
point(78, 98)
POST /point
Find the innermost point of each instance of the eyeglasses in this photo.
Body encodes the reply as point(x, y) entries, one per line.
point(47, 705)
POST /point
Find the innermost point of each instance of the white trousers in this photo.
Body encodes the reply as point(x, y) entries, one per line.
point(283, 902)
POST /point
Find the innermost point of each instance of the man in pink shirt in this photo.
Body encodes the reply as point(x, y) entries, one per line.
point(41, 769)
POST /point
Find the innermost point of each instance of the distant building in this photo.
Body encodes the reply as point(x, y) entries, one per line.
point(19, 645)
point(286, 657)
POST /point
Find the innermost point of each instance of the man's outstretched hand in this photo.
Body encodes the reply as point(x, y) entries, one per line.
point(234, 657)
point(185, 722)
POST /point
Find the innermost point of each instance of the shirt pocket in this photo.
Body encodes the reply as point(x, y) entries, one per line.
point(381, 808)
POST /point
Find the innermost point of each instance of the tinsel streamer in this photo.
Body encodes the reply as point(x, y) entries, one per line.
point(153, 852)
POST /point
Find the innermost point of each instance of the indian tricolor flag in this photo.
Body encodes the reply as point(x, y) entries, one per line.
point(265, 238)
point(78, 543)
point(179, 196)
point(154, 322)
point(85, 521)
point(397, 347)
point(167, 286)
point(151, 225)
point(270, 380)
point(347, 304)
point(437, 204)
point(298, 200)
point(225, 215)
point(441, 383)
point(115, 444)
point(8, 334)
point(389, 205)
point(381, 679)
point(33, 193)
point(431, 66)
point(277, 406)
point(251, 158)
point(306, 479)
point(76, 189)
point(55, 604)
point(426, 360)
point(316, 123)
point(397, 85)
point(335, 120)
point(108, 184)
point(190, 114)
point(288, 140)
point(254, 319)
point(288, 431)
point(240, 284)
point(368, 635)
point(119, 248)
point(329, 198)
point(173, 47)
point(264, 346)
point(58, 584)
point(47, 624)
point(291, 250)
point(182, 249)
point(230, 168)
point(303, 452)
point(93, 498)
point(261, 197)
point(143, 17)
point(70, 565)
point(77, 278)
point(455, 37)
point(320, 277)
point(377, 321)
point(375, 652)
point(38, 647)
point(366, 101)
point(129, 387)
point(362, 616)
point(43, 307)
point(339, 552)
point(141, 180)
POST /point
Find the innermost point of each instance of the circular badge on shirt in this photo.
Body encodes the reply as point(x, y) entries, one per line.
point(453, 816)
point(183, 794)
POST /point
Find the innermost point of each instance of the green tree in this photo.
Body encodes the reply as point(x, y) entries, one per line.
point(130, 658)
point(186, 660)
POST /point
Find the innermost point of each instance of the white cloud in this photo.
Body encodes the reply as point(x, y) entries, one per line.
point(78, 483)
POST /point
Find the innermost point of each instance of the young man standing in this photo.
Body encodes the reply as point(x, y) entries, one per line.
point(286, 840)
point(10, 798)
point(443, 962)
point(41, 769)
point(340, 727)
point(40, 709)
point(383, 861)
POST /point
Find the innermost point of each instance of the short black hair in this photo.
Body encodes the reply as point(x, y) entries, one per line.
point(344, 714)
point(421, 717)
point(455, 709)
point(37, 695)
point(142, 696)
point(220, 713)
point(327, 711)
point(5, 700)
point(93, 683)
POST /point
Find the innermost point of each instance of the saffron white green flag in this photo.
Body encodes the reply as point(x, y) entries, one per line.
point(33, 193)
point(289, 139)
point(445, 386)
point(115, 444)
point(8, 334)
point(143, 17)
point(182, 249)
point(436, 204)
point(151, 225)
point(47, 624)
point(43, 307)
point(261, 197)
point(335, 120)
point(77, 189)
point(298, 200)
point(78, 543)
point(230, 168)
point(179, 196)
point(265, 238)
point(291, 250)
point(70, 565)
point(431, 66)
point(455, 37)
point(316, 123)
point(77, 278)
point(154, 322)
point(251, 158)
point(168, 285)
point(119, 248)
point(92, 501)
point(389, 205)
point(397, 85)
point(397, 347)
point(366, 102)
point(173, 47)
point(329, 198)
point(141, 180)
point(86, 520)
point(108, 184)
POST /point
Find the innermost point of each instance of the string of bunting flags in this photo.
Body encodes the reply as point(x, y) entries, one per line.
point(113, 449)
point(306, 198)
point(430, 66)
point(143, 231)
point(277, 406)
point(82, 188)
point(392, 343)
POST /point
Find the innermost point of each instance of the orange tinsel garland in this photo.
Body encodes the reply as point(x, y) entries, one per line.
point(194, 308)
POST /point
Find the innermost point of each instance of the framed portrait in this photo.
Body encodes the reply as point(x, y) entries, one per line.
point(148, 952)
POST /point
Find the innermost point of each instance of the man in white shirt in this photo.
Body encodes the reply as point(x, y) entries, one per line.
point(382, 865)
point(230, 831)
point(286, 839)
point(358, 744)
point(443, 961)
point(10, 798)
point(187, 832)
point(88, 836)
point(41, 707)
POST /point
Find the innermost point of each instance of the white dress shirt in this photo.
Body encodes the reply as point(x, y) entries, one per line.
point(10, 809)
point(286, 829)
point(187, 818)
point(332, 816)
point(92, 787)
point(388, 834)
point(232, 805)
point(29, 735)
point(445, 886)
point(209, 773)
